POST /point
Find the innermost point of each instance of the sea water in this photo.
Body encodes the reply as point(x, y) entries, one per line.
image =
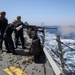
point(67, 36)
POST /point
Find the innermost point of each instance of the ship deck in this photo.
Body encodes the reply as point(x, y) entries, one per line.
point(24, 61)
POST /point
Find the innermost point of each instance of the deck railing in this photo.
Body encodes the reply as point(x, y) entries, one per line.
point(54, 66)
point(59, 54)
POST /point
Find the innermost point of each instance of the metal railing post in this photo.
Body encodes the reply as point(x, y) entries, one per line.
point(60, 54)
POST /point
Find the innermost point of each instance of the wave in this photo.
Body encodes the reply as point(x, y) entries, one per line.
point(69, 55)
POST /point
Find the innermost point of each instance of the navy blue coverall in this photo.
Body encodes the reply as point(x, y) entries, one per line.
point(8, 38)
point(3, 25)
point(19, 35)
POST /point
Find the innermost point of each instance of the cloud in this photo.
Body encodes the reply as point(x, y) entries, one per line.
point(66, 30)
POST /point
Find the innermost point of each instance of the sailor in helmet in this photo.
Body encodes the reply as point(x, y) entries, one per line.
point(8, 36)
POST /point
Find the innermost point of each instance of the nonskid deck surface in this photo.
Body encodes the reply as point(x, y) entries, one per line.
point(24, 61)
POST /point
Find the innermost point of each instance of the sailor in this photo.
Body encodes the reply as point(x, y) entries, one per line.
point(26, 24)
point(3, 25)
point(19, 32)
point(8, 36)
point(34, 33)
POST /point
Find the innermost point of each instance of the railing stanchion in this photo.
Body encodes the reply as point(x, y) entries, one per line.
point(61, 54)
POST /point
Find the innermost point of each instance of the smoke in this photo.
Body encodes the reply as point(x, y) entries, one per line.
point(66, 30)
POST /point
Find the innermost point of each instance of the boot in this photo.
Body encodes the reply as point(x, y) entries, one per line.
point(14, 53)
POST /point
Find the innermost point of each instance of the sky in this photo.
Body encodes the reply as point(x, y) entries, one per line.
point(36, 12)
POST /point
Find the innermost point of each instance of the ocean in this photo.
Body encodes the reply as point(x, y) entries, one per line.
point(67, 36)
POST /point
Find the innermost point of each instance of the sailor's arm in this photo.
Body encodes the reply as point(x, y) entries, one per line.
point(19, 27)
